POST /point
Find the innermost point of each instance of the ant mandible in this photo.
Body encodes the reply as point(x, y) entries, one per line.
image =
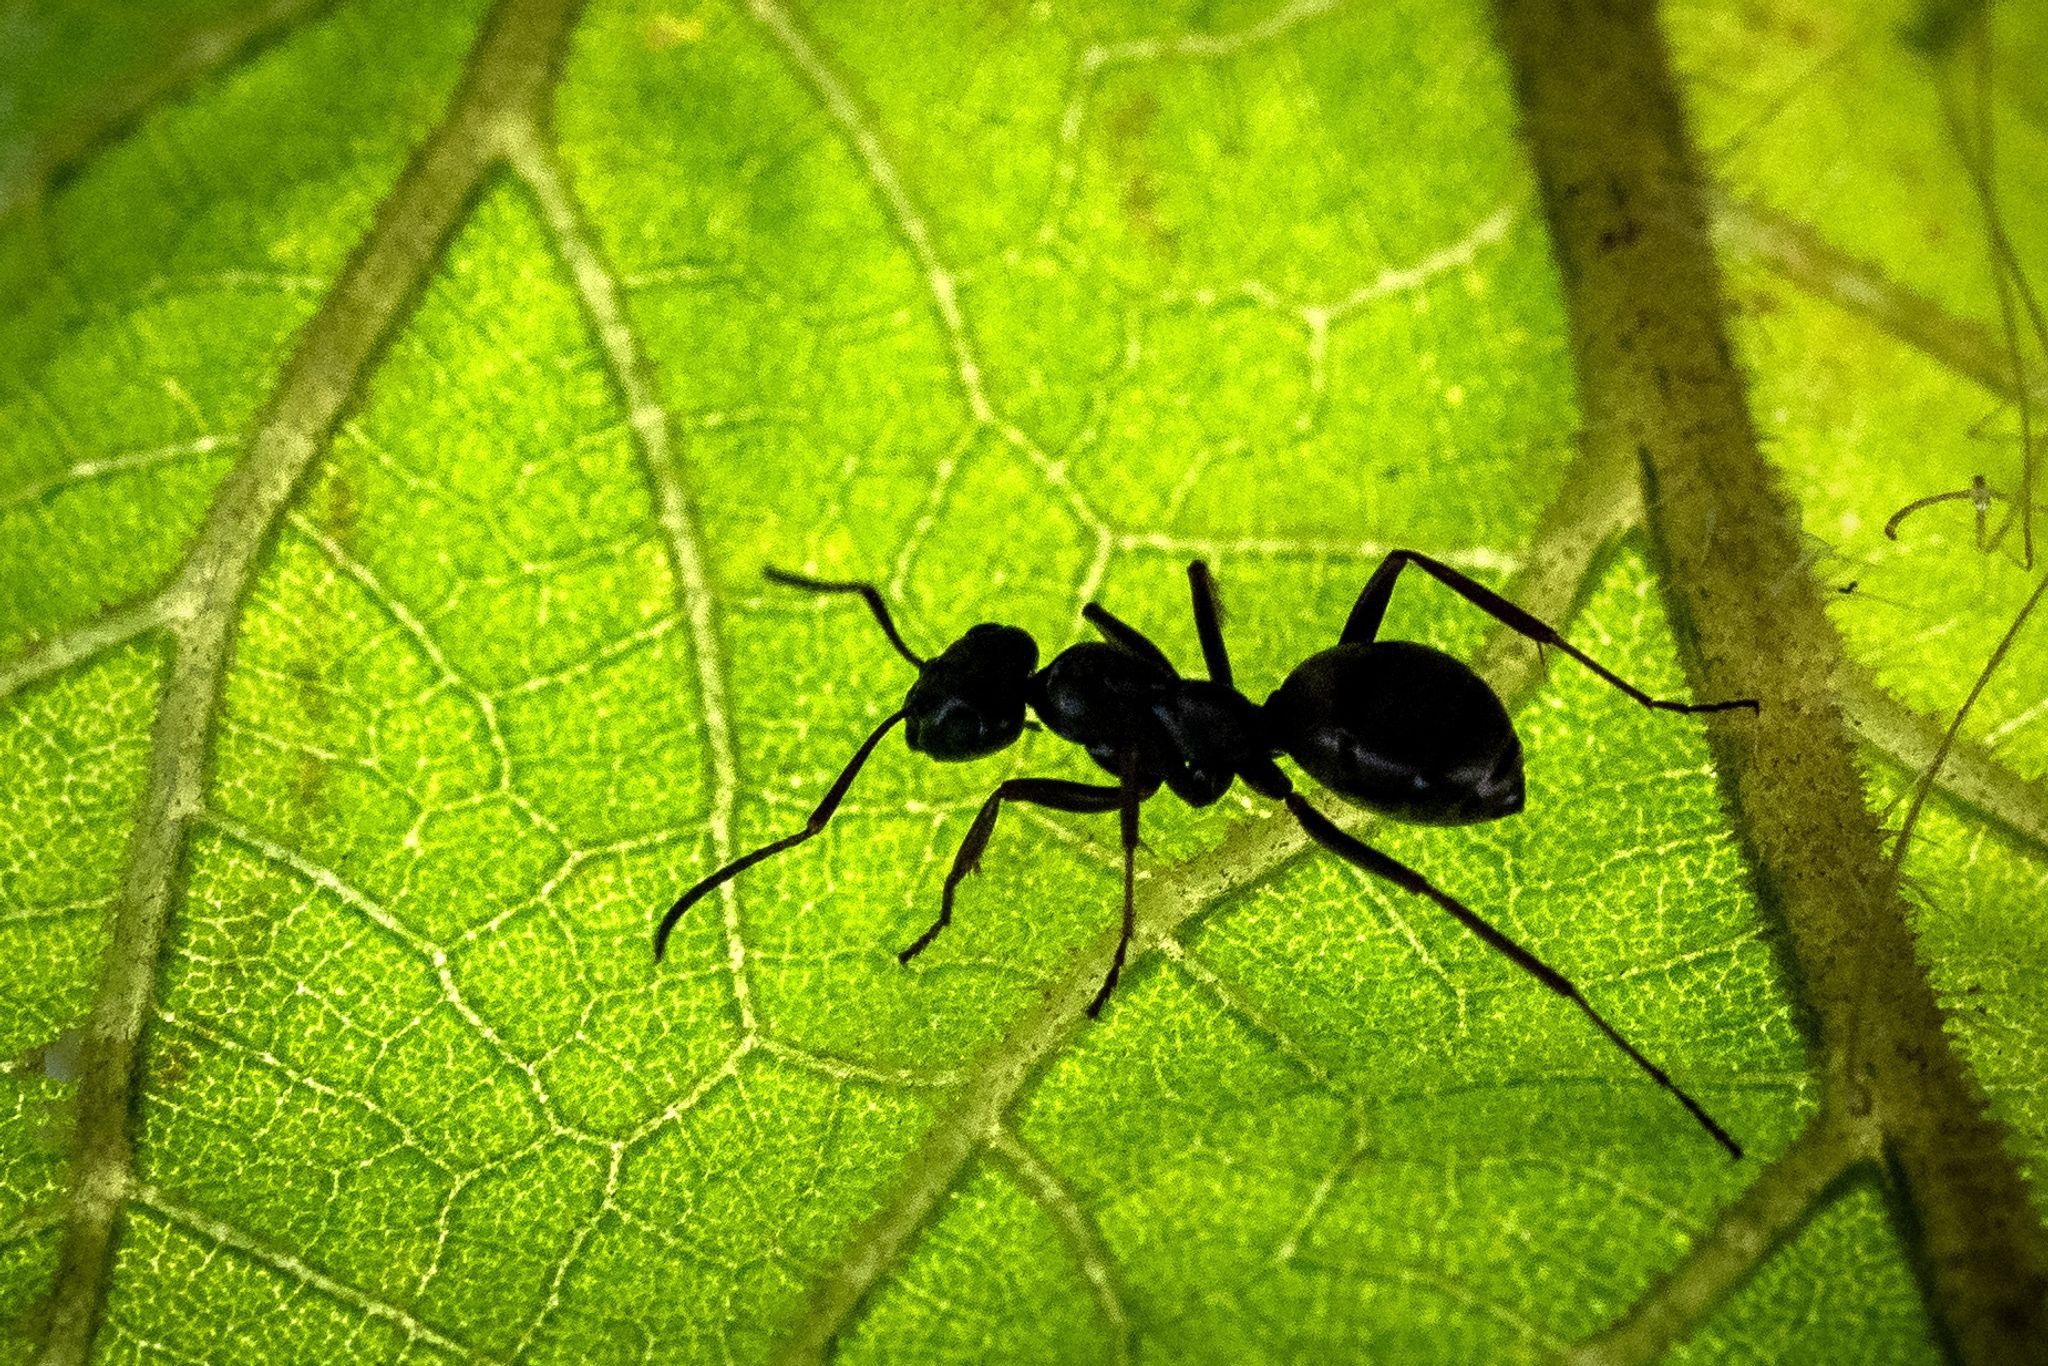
point(1390, 725)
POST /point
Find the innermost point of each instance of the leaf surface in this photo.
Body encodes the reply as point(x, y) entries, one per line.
point(1007, 310)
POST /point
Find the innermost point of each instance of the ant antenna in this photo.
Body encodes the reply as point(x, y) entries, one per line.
point(817, 819)
point(868, 593)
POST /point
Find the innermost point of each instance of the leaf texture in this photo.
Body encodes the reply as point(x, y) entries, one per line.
point(1007, 309)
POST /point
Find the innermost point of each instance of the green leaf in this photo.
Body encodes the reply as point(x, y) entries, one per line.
point(397, 406)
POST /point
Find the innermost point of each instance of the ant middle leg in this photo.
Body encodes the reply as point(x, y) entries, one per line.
point(1130, 794)
point(1059, 794)
point(1371, 608)
point(1361, 855)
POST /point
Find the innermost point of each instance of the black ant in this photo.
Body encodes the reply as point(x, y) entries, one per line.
point(1391, 725)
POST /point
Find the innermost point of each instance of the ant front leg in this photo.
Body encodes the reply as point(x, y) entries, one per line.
point(1057, 793)
point(1363, 856)
point(1371, 608)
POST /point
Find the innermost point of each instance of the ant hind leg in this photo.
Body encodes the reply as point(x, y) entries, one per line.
point(1363, 856)
point(1371, 607)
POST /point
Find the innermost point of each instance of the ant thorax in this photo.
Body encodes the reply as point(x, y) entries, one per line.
point(1219, 736)
point(1100, 697)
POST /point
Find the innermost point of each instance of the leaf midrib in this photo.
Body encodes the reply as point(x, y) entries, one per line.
point(509, 75)
point(1658, 379)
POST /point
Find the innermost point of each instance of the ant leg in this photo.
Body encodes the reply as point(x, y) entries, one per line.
point(1209, 624)
point(1127, 808)
point(812, 826)
point(871, 595)
point(1056, 793)
point(1362, 855)
point(1121, 633)
point(1372, 606)
point(1364, 623)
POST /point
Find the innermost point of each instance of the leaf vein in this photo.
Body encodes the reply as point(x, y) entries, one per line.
point(511, 67)
point(909, 223)
point(226, 1235)
point(107, 112)
point(1098, 1265)
point(539, 166)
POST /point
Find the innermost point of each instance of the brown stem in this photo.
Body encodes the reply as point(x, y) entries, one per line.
point(1621, 187)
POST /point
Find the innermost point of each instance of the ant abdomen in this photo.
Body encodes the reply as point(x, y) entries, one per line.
point(1403, 729)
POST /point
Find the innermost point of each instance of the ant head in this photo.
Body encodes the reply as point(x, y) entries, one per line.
point(1402, 729)
point(970, 700)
